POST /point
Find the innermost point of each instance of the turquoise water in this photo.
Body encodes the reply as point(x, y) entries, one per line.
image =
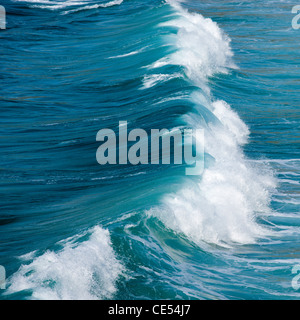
point(72, 229)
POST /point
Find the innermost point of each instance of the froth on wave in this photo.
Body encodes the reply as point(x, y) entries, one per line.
point(82, 5)
point(221, 206)
point(81, 270)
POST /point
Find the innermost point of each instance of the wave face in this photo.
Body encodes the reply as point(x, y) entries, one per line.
point(221, 207)
point(72, 229)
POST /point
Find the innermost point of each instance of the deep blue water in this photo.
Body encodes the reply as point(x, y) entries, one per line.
point(72, 229)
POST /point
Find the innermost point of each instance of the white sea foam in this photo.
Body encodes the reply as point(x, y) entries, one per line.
point(96, 6)
point(55, 5)
point(81, 270)
point(220, 207)
point(111, 3)
point(132, 53)
point(152, 80)
point(202, 48)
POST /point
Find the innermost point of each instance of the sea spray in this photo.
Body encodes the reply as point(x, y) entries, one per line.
point(86, 269)
point(222, 206)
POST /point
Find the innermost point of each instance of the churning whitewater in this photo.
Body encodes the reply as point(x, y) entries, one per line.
point(221, 207)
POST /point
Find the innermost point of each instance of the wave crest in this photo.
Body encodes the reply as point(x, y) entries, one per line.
point(222, 206)
point(87, 270)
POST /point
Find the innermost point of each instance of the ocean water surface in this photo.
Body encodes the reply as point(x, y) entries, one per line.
point(73, 229)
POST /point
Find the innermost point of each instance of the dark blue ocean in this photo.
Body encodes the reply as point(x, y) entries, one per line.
point(71, 228)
